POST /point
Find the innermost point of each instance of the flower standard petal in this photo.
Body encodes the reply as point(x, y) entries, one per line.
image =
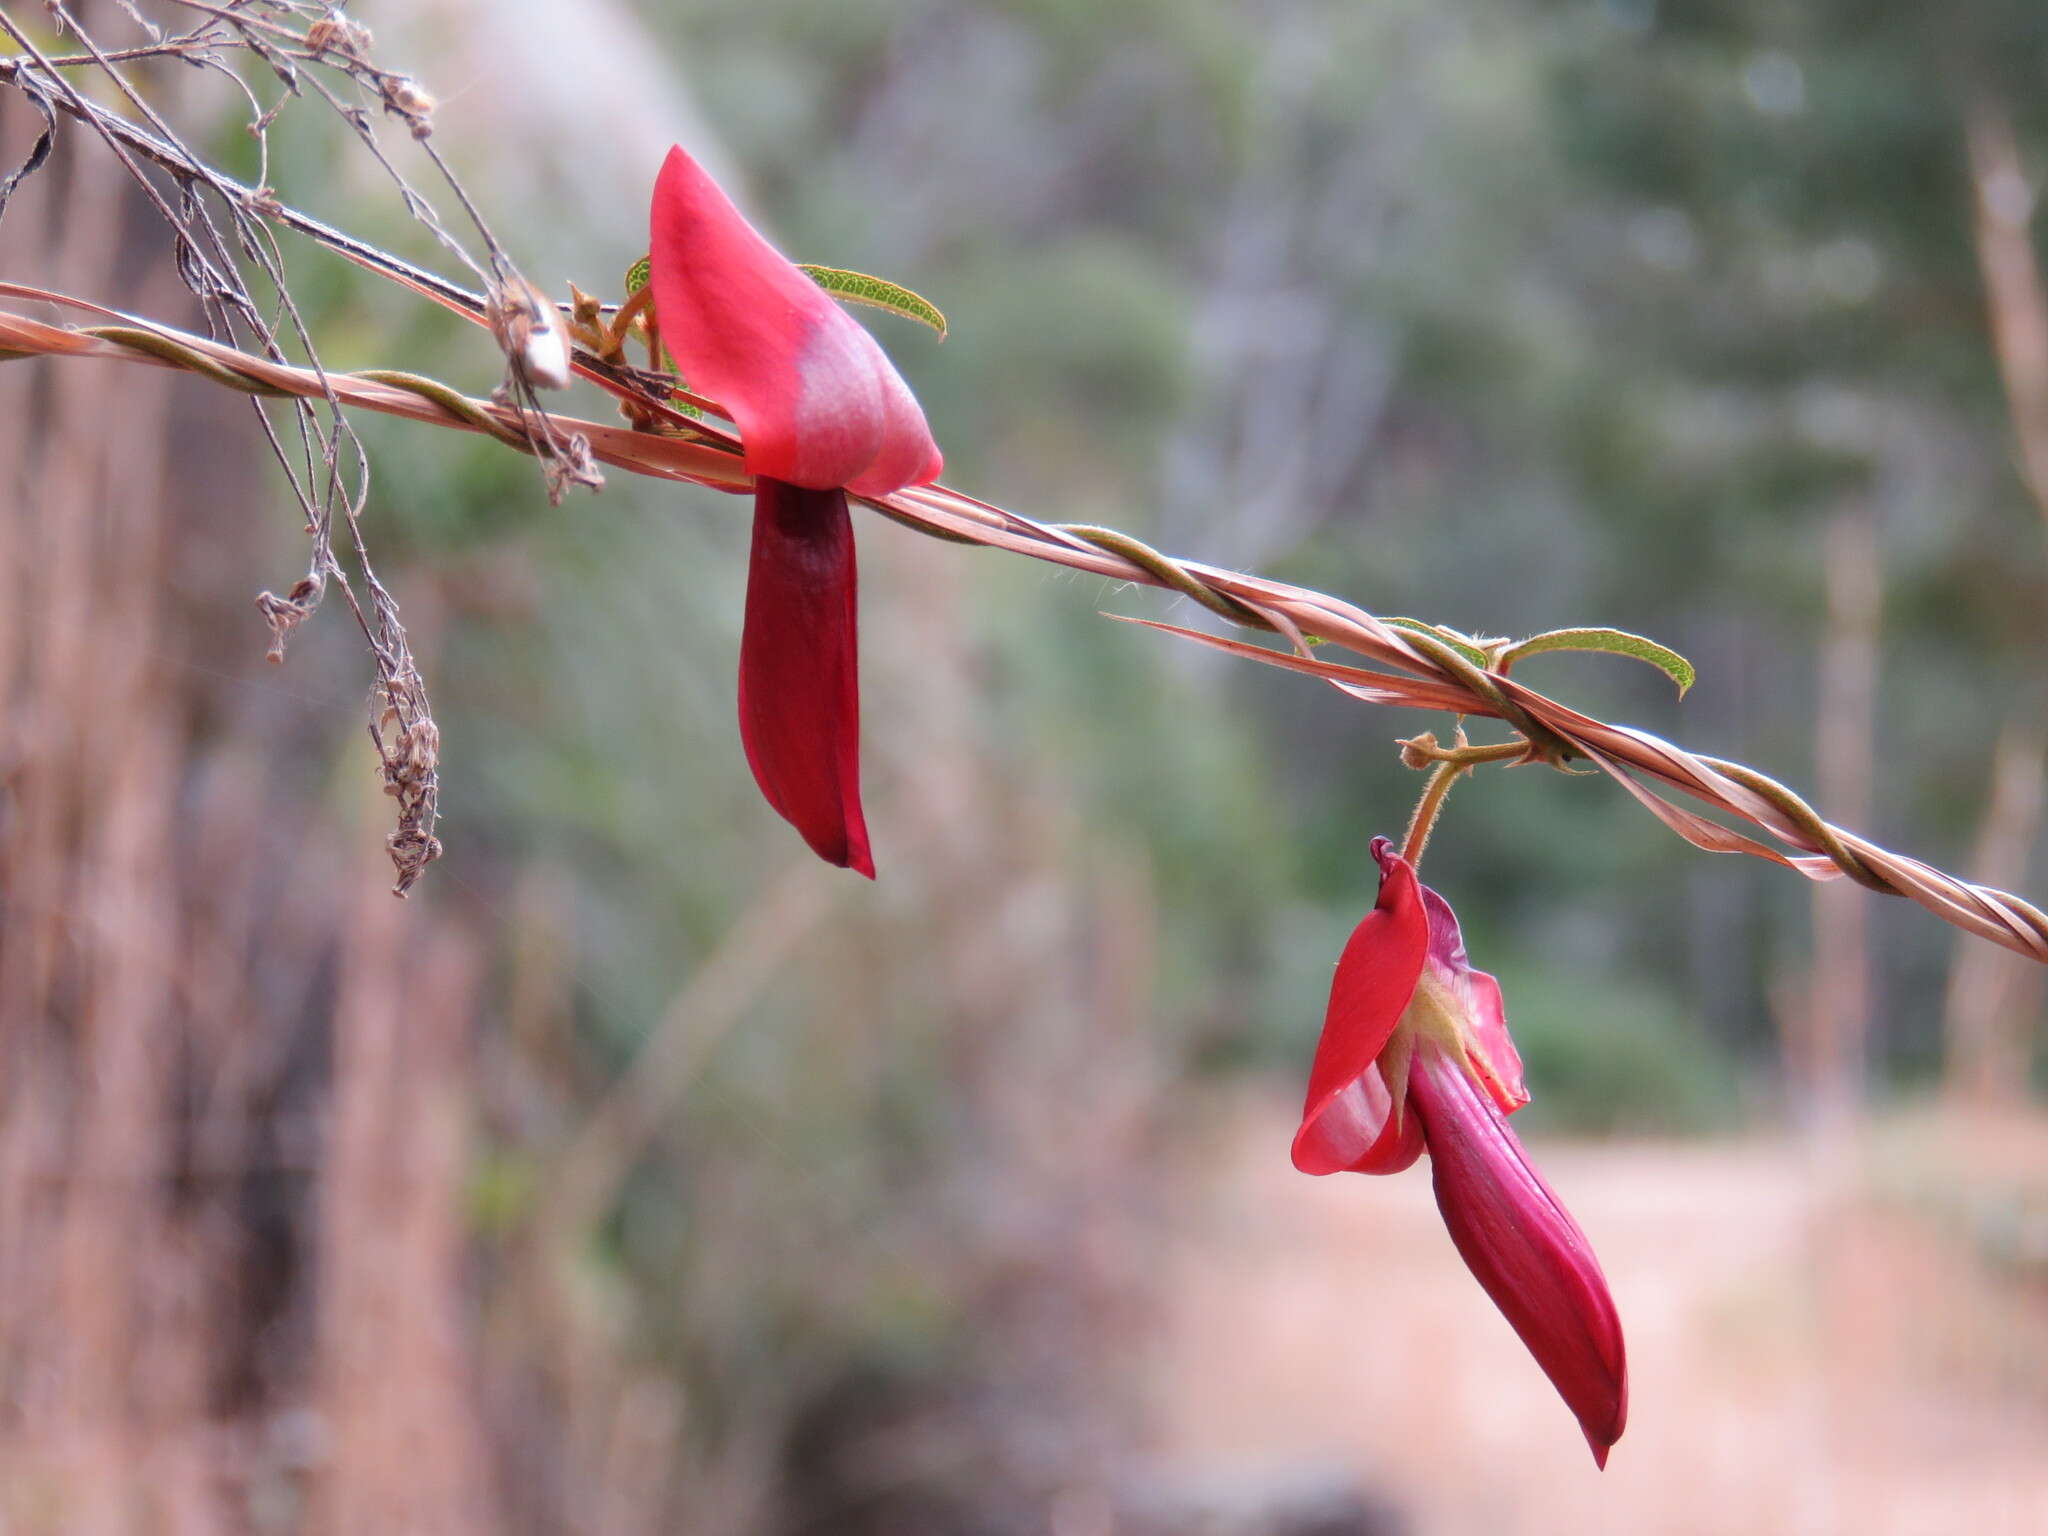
point(1522, 1245)
point(908, 456)
point(799, 685)
point(816, 401)
point(1347, 1121)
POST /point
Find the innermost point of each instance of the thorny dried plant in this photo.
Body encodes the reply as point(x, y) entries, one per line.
point(306, 49)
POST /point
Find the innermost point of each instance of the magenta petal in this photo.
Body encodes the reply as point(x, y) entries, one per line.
point(1523, 1246)
point(816, 401)
point(1446, 938)
point(1478, 994)
point(799, 669)
point(1492, 1052)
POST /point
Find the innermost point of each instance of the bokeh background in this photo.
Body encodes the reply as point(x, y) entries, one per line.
point(639, 1174)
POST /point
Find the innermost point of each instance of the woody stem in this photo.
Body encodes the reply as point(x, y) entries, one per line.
point(1466, 756)
point(622, 323)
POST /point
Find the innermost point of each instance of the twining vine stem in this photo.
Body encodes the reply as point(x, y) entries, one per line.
point(1408, 668)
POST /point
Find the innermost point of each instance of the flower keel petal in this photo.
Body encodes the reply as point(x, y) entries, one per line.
point(1523, 1246)
point(799, 669)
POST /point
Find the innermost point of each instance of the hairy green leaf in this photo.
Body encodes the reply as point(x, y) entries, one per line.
point(859, 288)
point(853, 287)
point(1618, 642)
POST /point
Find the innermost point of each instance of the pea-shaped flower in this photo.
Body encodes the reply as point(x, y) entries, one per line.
point(1415, 1056)
point(820, 412)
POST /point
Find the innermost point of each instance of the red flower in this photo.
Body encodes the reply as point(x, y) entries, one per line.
point(821, 411)
point(1415, 1054)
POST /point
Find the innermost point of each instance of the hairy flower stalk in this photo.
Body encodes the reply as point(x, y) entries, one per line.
point(1415, 1056)
point(821, 411)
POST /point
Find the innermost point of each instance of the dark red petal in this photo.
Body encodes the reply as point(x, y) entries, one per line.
point(799, 669)
point(1344, 1123)
point(1522, 1246)
point(816, 402)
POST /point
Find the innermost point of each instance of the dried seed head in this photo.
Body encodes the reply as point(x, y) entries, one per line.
point(404, 96)
point(335, 33)
point(531, 332)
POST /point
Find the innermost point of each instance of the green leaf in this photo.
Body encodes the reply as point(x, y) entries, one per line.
point(1618, 642)
point(853, 287)
point(859, 288)
point(1450, 637)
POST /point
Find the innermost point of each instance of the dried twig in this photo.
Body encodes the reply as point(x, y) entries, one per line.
point(227, 255)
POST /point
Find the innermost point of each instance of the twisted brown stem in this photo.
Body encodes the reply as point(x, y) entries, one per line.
point(1426, 673)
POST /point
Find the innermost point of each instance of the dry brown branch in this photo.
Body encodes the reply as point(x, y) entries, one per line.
point(1426, 673)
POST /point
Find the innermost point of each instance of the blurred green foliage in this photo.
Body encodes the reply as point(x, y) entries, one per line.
point(1661, 287)
point(1616, 1056)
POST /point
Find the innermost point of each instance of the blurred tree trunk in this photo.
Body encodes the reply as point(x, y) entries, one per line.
point(1831, 1057)
point(169, 948)
point(2012, 284)
point(1994, 998)
point(396, 1393)
point(107, 1281)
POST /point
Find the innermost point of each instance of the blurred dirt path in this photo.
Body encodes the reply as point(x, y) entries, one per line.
point(1799, 1363)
